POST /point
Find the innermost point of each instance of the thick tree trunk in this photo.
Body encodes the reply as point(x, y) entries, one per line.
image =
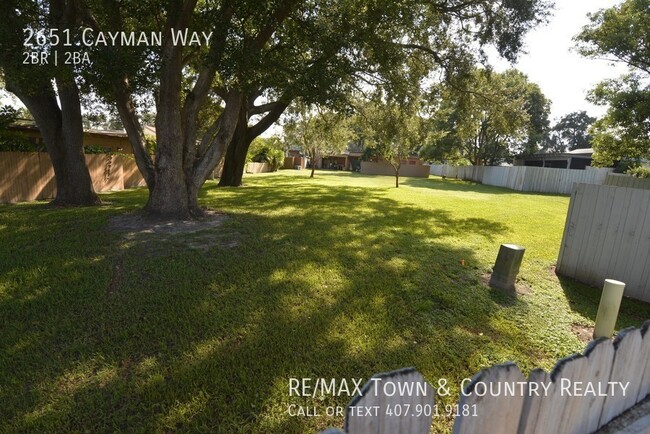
point(234, 164)
point(170, 197)
point(396, 179)
point(62, 132)
point(129, 118)
point(73, 183)
point(313, 169)
point(235, 160)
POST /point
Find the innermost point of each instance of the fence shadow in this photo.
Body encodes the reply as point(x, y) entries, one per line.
point(584, 299)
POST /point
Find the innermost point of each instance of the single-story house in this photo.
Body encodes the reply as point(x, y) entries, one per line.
point(576, 159)
point(110, 140)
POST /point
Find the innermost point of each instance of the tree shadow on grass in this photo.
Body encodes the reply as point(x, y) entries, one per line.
point(152, 335)
point(451, 184)
point(584, 299)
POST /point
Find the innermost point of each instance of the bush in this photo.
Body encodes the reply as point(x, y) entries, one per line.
point(11, 141)
point(639, 172)
point(266, 150)
point(94, 149)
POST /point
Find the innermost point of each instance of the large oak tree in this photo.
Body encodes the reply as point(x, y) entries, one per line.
point(265, 54)
point(493, 117)
point(49, 92)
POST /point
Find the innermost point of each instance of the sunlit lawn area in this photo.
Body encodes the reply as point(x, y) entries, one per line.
point(342, 276)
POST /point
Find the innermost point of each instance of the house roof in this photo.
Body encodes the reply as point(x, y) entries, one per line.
point(23, 123)
point(30, 125)
point(582, 152)
point(110, 133)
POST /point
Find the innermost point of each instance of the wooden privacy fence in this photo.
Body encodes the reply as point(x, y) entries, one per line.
point(580, 395)
point(26, 176)
point(384, 168)
point(253, 167)
point(607, 235)
point(524, 178)
point(620, 180)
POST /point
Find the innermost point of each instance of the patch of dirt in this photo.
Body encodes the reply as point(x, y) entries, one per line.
point(140, 224)
point(523, 289)
point(200, 234)
point(520, 288)
point(584, 333)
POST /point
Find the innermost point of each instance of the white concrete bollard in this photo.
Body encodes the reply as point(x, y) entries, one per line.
point(610, 302)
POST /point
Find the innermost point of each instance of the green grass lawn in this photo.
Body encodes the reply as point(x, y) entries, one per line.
point(339, 276)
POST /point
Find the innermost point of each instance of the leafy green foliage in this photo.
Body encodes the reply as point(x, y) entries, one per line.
point(538, 108)
point(269, 150)
point(393, 131)
point(639, 172)
point(8, 115)
point(621, 34)
point(13, 141)
point(490, 118)
point(624, 131)
point(317, 131)
point(93, 149)
point(571, 132)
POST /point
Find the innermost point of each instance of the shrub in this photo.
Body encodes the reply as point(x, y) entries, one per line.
point(94, 149)
point(11, 141)
point(639, 172)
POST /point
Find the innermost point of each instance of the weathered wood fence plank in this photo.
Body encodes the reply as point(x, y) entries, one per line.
point(607, 235)
point(502, 411)
point(621, 180)
point(394, 397)
point(579, 396)
point(27, 176)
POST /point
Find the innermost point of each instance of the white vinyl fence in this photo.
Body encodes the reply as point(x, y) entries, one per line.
point(607, 235)
point(580, 395)
point(444, 170)
point(525, 178)
point(620, 180)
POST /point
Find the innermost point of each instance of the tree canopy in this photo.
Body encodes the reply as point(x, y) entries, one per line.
point(262, 55)
point(571, 132)
point(620, 34)
point(316, 131)
point(495, 117)
point(392, 131)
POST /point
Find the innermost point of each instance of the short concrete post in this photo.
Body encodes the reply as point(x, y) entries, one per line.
point(506, 267)
point(610, 302)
